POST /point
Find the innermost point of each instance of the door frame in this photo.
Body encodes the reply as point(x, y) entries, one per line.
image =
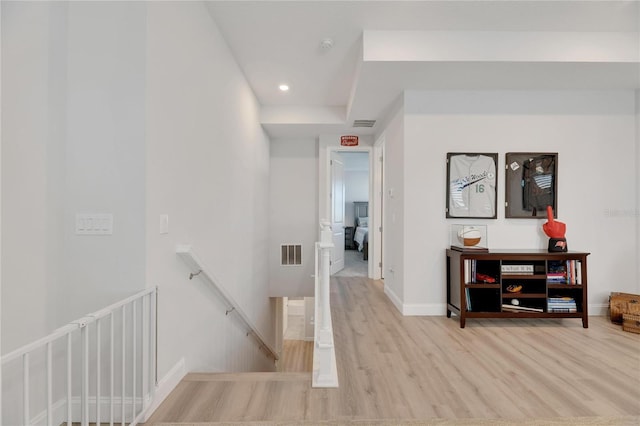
point(327, 144)
point(378, 255)
point(337, 234)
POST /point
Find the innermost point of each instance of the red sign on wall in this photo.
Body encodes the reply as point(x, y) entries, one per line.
point(348, 140)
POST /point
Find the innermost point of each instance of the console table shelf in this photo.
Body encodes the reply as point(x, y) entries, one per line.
point(517, 284)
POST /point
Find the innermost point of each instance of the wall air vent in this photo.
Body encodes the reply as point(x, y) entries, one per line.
point(291, 254)
point(364, 123)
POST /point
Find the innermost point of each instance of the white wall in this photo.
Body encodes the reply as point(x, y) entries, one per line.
point(104, 167)
point(593, 132)
point(394, 200)
point(637, 211)
point(73, 138)
point(73, 141)
point(25, 124)
point(105, 111)
point(293, 214)
point(208, 169)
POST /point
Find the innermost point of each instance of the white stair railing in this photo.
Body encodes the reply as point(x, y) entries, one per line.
point(199, 270)
point(98, 369)
point(325, 374)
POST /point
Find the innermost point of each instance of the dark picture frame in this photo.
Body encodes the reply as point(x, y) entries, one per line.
point(531, 183)
point(472, 182)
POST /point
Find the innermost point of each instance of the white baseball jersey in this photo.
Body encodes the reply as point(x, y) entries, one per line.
point(472, 186)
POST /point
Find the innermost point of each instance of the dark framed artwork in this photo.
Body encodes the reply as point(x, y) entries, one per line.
point(531, 184)
point(471, 185)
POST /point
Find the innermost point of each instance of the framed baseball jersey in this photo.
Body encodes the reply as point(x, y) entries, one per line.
point(531, 184)
point(471, 185)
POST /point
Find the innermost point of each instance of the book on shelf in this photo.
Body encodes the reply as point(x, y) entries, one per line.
point(556, 279)
point(560, 304)
point(472, 276)
point(517, 269)
point(561, 299)
point(518, 308)
point(571, 270)
point(468, 300)
point(556, 275)
point(562, 310)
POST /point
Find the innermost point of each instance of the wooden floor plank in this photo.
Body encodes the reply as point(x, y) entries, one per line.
point(297, 356)
point(395, 367)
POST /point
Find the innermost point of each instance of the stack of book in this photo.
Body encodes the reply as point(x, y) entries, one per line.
point(557, 277)
point(565, 272)
point(562, 304)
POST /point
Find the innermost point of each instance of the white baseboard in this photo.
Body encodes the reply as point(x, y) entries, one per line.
point(59, 410)
point(415, 309)
point(424, 309)
point(598, 309)
point(164, 388)
point(166, 385)
point(393, 297)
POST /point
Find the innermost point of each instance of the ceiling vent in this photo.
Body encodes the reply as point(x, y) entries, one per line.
point(364, 123)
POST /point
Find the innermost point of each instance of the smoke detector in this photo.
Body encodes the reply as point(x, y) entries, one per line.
point(326, 44)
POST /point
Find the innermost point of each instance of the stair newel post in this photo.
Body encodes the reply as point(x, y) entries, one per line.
point(326, 244)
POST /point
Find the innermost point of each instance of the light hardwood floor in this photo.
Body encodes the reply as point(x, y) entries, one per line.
point(297, 356)
point(354, 265)
point(395, 367)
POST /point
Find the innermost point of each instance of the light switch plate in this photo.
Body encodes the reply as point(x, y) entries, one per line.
point(164, 224)
point(94, 224)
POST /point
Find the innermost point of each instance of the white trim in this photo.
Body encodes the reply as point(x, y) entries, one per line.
point(424, 309)
point(394, 298)
point(166, 386)
point(60, 410)
point(598, 309)
point(415, 309)
point(376, 204)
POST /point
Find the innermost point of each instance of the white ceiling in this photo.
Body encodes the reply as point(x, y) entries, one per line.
point(279, 41)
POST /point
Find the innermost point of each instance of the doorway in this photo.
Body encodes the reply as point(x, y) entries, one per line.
point(356, 177)
point(327, 146)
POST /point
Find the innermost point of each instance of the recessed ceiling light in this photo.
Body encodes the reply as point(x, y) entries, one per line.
point(284, 87)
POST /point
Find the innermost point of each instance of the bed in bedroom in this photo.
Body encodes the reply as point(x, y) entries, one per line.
point(361, 234)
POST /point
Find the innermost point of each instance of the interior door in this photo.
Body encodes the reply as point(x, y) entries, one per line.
point(337, 212)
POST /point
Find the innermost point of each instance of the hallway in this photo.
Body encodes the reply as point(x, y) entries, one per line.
point(395, 367)
point(354, 265)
